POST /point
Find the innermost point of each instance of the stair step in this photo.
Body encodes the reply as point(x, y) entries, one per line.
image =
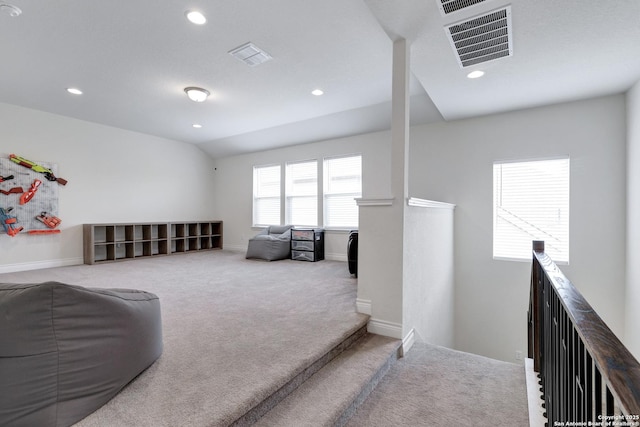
point(333, 393)
point(269, 402)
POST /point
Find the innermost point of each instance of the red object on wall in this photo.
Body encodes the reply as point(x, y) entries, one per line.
point(28, 195)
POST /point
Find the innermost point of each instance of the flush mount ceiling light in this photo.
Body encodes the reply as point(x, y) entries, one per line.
point(195, 17)
point(475, 74)
point(196, 125)
point(10, 10)
point(196, 94)
point(74, 91)
point(317, 92)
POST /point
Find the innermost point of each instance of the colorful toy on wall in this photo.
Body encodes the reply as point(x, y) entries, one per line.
point(37, 168)
point(12, 190)
point(28, 195)
point(49, 220)
point(34, 209)
point(8, 222)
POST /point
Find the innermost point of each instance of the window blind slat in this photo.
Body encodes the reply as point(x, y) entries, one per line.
point(342, 184)
point(266, 195)
point(531, 202)
point(302, 193)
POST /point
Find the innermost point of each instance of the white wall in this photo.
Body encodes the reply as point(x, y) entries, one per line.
point(428, 291)
point(632, 332)
point(234, 183)
point(452, 162)
point(114, 176)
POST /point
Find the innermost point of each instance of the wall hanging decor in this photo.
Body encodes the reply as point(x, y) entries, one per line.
point(28, 196)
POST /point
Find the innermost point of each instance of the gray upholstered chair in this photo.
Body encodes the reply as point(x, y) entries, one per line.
point(271, 244)
point(67, 350)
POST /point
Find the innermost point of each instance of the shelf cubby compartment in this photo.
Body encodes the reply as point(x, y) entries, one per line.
point(110, 233)
point(138, 249)
point(120, 250)
point(193, 230)
point(192, 243)
point(178, 245)
point(146, 231)
point(101, 252)
point(158, 247)
point(154, 231)
point(100, 234)
point(129, 231)
point(119, 233)
point(205, 242)
point(216, 228)
point(180, 230)
point(162, 231)
point(138, 232)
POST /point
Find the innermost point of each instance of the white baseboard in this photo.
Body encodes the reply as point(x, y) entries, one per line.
point(363, 306)
point(384, 328)
point(408, 341)
point(37, 265)
point(336, 257)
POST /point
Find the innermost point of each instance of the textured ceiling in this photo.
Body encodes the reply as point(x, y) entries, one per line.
point(133, 60)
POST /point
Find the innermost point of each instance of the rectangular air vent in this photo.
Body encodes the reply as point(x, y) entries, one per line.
point(250, 54)
point(448, 6)
point(483, 38)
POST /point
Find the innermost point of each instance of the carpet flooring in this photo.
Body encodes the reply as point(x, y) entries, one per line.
point(237, 331)
point(439, 387)
point(234, 331)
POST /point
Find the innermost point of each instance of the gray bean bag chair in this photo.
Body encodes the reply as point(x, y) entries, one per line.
point(66, 350)
point(271, 244)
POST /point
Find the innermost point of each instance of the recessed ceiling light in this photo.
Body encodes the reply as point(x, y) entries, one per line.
point(195, 17)
point(196, 125)
point(196, 94)
point(74, 91)
point(475, 74)
point(317, 92)
point(10, 10)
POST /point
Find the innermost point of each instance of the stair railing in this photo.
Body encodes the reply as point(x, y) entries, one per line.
point(587, 375)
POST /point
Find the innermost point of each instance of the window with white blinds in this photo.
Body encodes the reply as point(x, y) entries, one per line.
point(266, 195)
point(531, 202)
point(342, 184)
point(302, 193)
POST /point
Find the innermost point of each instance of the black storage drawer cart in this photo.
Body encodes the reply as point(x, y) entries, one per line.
point(307, 244)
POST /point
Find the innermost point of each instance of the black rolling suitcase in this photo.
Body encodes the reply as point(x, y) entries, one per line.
point(352, 252)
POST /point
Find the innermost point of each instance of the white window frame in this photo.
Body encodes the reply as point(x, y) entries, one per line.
point(301, 200)
point(531, 200)
point(259, 195)
point(328, 193)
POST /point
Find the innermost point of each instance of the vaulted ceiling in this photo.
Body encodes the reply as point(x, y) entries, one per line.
point(132, 60)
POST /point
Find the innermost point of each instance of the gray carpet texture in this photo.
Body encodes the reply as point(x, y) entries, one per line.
point(247, 341)
point(438, 387)
point(330, 396)
point(235, 331)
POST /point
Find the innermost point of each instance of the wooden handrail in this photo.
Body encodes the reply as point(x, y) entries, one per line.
point(587, 374)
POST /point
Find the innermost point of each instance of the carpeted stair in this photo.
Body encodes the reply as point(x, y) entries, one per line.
point(331, 395)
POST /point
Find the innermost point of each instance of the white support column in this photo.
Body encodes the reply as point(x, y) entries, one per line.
point(381, 237)
point(400, 121)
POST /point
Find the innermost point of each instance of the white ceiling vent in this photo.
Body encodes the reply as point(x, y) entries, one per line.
point(448, 6)
point(483, 38)
point(250, 54)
